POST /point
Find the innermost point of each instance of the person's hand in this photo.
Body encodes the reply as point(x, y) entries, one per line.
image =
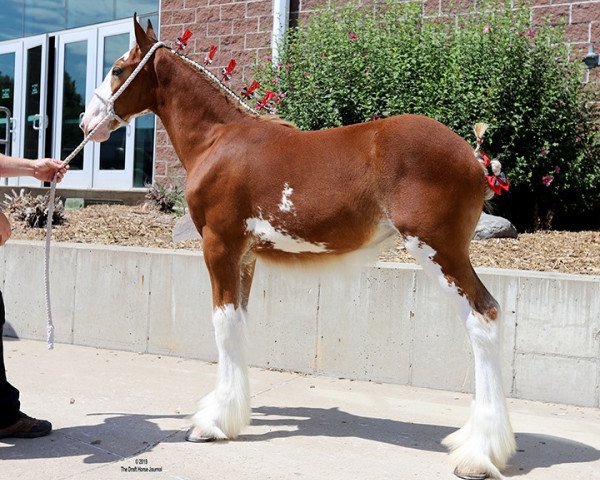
point(46, 168)
point(4, 229)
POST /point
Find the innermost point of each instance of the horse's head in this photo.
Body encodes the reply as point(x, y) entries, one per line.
point(137, 98)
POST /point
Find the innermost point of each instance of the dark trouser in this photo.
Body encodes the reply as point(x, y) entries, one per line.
point(9, 395)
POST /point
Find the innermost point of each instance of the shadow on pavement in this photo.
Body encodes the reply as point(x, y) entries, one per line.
point(118, 437)
point(125, 435)
point(533, 450)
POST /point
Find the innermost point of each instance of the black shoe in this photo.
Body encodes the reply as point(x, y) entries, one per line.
point(26, 427)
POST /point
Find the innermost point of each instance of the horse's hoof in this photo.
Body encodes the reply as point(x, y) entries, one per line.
point(190, 437)
point(470, 476)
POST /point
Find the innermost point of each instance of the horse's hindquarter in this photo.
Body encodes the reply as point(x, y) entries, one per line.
point(330, 191)
point(431, 179)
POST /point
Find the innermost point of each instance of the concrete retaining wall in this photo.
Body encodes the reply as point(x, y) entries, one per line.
point(385, 323)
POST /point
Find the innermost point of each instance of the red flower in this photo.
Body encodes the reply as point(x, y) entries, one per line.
point(547, 180)
point(529, 33)
point(352, 37)
point(279, 97)
point(487, 28)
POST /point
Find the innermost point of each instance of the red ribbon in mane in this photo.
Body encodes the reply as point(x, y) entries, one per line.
point(268, 97)
point(228, 70)
point(181, 42)
point(210, 55)
point(248, 92)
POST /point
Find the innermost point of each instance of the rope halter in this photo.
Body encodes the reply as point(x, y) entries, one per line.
point(109, 109)
point(109, 114)
point(109, 103)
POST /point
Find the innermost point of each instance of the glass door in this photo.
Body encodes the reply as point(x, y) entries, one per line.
point(10, 97)
point(33, 119)
point(126, 159)
point(79, 60)
point(113, 164)
point(74, 88)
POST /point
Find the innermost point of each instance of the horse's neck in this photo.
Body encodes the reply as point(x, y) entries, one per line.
point(189, 105)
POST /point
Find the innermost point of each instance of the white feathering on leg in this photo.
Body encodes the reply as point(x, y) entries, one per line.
point(486, 442)
point(225, 411)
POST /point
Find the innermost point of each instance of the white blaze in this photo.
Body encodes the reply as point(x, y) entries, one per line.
point(95, 110)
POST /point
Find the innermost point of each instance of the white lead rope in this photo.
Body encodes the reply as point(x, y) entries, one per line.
point(110, 114)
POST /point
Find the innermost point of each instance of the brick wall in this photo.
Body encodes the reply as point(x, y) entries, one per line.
point(242, 30)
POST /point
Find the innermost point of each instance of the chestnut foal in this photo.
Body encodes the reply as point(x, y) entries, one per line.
point(262, 188)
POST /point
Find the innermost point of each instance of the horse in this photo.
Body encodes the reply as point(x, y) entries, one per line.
point(258, 187)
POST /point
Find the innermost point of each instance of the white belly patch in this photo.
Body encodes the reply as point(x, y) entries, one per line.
point(280, 239)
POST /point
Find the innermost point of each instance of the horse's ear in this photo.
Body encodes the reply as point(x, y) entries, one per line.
point(143, 41)
point(150, 31)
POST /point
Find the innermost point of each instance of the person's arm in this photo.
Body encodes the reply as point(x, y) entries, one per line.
point(43, 169)
point(4, 229)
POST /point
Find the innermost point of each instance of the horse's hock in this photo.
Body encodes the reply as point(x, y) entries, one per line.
point(386, 323)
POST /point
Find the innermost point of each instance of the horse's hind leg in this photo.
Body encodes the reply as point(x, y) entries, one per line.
point(226, 410)
point(483, 446)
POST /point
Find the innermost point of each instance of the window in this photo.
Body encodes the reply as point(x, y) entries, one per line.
point(22, 18)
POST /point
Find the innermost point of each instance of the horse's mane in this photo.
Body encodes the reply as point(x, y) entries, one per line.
point(278, 120)
point(232, 98)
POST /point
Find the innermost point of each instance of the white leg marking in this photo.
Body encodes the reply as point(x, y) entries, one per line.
point(486, 442)
point(225, 411)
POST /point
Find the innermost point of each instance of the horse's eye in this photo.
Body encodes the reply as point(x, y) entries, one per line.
point(117, 71)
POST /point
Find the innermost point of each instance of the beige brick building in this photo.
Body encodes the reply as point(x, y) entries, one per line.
point(244, 30)
point(54, 53)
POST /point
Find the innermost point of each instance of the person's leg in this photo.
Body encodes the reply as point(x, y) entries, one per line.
point(13, 422)
point(9, 395)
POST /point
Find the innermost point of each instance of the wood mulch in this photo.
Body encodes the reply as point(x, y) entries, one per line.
point(548, 251)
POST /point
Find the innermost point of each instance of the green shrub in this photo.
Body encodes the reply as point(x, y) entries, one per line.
point(351, 64)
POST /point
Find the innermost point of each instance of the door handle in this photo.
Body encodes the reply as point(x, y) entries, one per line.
point(37, 123)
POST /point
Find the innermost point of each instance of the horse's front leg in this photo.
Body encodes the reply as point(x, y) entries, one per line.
point(226, 410)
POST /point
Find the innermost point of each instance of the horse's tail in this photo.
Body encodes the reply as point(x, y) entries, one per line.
point(490, 167)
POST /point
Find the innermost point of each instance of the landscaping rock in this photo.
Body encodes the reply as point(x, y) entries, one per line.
point(492, 226)
point(185, 230)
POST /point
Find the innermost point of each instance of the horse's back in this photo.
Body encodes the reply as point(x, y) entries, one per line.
point(332, 191)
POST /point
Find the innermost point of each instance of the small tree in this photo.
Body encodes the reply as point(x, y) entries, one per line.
point(352, 64)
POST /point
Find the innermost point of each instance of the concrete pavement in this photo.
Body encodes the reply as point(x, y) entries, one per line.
point(116, 414)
